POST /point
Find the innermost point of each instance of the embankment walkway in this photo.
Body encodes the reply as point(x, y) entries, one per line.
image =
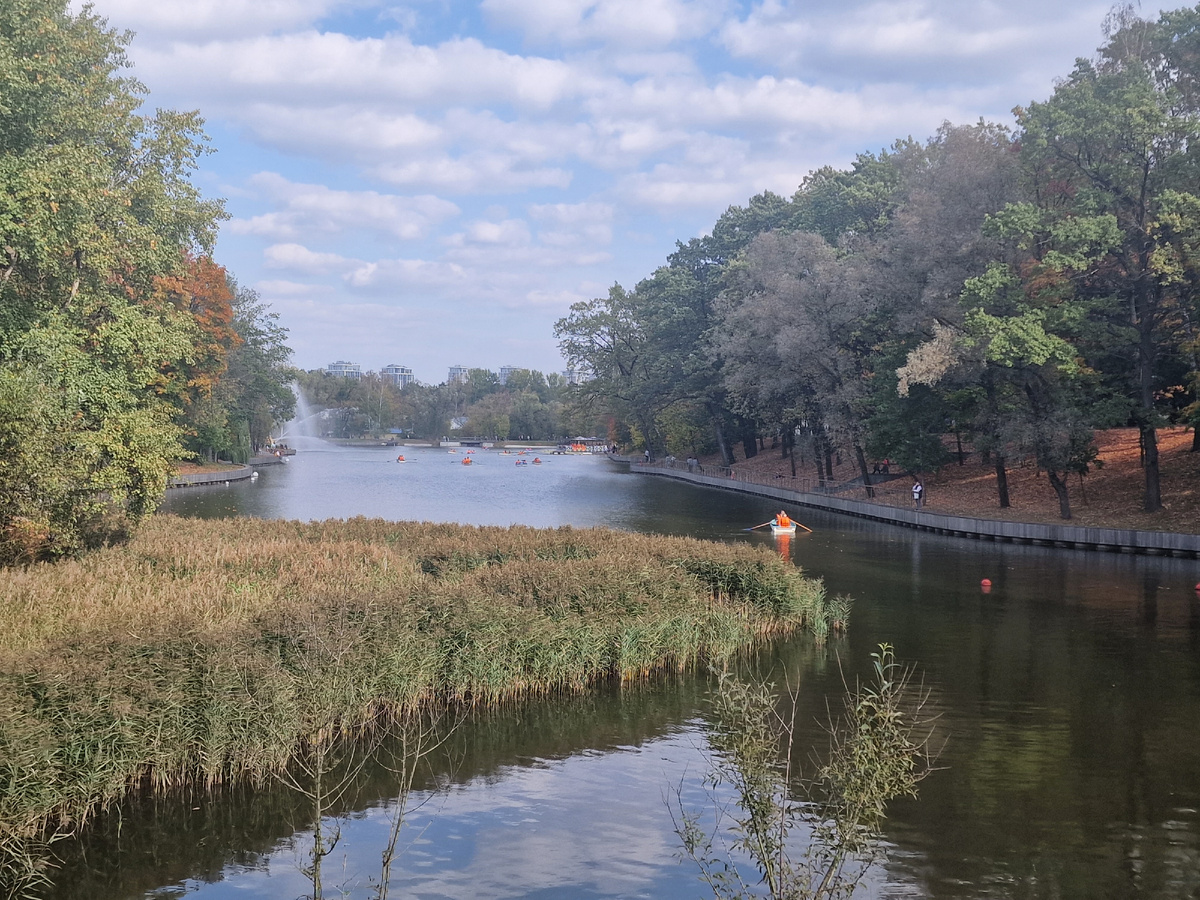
point(1112, 540)
point(224, 476)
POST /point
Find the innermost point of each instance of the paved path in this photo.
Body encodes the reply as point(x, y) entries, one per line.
point(1114, 540)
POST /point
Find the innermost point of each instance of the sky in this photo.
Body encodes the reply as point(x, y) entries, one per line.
point(435, 183)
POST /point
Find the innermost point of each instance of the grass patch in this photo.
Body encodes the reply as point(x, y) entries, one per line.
point(205, 652)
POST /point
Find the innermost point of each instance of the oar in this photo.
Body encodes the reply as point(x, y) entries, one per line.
point(764, 524)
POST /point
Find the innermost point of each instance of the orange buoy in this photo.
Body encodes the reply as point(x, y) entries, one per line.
point(986, 585)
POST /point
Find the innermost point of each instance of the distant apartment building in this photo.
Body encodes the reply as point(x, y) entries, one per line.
point(397, 375)
point(505, 371)
point(344, 369)
point(458, 375)
point(574, 376)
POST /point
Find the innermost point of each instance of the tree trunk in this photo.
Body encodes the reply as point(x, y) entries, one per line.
point(1196, 439)
point(1001, 481)
point(1153, 496)
point(749, 439)
point(719, 433)
point(789, 444)
point(962, 457)
point(646, 424)
point(1147, 318)
point(817, 448)
point(862, 467)
point(1060, 488)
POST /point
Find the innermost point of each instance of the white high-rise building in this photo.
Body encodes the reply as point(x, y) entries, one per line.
point(458, 374)
point(397, 375)
point(505, 371)
point(344, 369)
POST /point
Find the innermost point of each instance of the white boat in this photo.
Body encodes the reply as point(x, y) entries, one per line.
point(783, 529)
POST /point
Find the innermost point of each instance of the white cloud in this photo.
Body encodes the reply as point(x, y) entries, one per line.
point(473, 173)
point(935, 41)
point(509, 233)
point(282, 287)
point(298, 258)
point(305, 209)
point(315, 69)
point(570, 224)
point(556, 299)
point(637, 23)
point(391, 275)
point(340, 131)
point(202, 19)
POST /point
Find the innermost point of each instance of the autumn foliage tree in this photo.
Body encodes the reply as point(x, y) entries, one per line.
point(97, 215)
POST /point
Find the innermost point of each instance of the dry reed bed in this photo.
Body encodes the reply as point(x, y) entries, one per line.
point(205, 651)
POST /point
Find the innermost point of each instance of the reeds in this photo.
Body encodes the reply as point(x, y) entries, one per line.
point(207, 651)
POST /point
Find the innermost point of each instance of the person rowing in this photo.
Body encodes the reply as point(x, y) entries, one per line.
point(782, 520)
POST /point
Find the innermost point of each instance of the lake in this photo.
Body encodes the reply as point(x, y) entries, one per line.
point(1069, 699)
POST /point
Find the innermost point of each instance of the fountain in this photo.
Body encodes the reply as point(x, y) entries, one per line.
point(303, 431)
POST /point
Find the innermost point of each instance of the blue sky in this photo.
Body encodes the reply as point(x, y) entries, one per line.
point(434, 183)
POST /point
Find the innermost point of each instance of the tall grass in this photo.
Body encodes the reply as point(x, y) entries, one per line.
point(210, 651)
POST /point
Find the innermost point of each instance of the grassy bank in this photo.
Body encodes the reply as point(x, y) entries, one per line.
point(206, 651)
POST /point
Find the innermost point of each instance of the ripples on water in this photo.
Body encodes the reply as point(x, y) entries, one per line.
point(1069, 699)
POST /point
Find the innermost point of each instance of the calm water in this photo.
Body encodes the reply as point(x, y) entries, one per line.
point(1069, 698)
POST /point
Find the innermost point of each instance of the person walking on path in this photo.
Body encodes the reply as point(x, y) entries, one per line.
point(918, 490)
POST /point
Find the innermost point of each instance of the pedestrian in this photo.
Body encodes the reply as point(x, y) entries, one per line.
point(918, 490)
point(647, 456)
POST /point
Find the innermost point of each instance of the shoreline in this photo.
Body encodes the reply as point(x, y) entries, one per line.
point(197, 479)
point(1075, 537)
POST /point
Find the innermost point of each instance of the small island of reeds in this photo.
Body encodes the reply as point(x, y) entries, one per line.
point(205, 652)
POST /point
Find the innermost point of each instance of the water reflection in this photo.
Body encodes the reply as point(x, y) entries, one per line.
point(1069, 694)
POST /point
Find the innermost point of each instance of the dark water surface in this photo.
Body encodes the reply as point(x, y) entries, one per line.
point(1069, 700)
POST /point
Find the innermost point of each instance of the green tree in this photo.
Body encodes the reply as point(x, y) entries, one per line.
point(530, 418)
point(842, 206)
point(258, 379)
point(96, 205)
point(528, 380)
point(489, 418)
point(480, 383)
point(1116, 140)
point(606, 338)
point(429, 409)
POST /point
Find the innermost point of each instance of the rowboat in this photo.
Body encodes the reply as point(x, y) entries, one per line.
point(783, 529)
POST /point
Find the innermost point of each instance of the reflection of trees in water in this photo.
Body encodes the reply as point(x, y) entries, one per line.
point(1073, 768)
point(148, 843)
